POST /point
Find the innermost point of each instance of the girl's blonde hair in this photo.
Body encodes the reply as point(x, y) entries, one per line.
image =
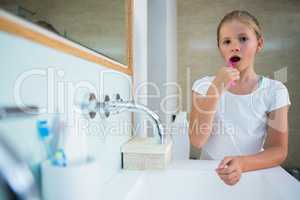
point(245, 18)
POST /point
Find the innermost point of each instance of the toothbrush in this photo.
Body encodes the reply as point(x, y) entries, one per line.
point(232, 83)
point(45, 136)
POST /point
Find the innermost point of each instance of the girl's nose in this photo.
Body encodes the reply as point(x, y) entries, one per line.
point(235, 47)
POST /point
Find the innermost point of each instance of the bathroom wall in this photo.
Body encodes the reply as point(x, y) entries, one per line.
point(198, 54)
point(140, 60)
point(155, 59)
point(34, 74)
point(162, 58)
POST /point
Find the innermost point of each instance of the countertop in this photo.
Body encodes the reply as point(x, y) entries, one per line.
point(121, 185)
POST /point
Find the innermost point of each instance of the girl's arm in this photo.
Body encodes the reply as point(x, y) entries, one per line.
point(276, 149)
point(201, 116)
point(276, 145)
point(204, 106)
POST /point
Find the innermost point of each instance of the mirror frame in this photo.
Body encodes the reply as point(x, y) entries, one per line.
point(20, 27)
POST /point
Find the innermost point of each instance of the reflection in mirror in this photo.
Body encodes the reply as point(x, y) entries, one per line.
point(100, 25)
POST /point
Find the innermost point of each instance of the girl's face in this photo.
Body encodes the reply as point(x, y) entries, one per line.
point(238, 44)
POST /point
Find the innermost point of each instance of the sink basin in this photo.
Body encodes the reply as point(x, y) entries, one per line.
point(200, 185)
point(193, 180)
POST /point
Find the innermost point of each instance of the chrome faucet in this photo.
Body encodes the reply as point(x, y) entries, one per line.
point(13, 170)
point(114, 107)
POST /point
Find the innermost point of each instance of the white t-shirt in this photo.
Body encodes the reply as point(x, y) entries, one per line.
point(239, 125)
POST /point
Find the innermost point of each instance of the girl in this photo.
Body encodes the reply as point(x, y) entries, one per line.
point(238, 116)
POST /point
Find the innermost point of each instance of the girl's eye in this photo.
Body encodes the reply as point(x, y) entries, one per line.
point(243, 39)
point(226, 42)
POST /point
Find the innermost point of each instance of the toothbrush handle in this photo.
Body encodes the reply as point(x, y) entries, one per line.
point(231, 83)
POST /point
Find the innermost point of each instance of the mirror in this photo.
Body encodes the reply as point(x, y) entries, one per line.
point(100, 25)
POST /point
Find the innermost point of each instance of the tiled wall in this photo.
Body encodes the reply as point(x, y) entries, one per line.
point(198, 54)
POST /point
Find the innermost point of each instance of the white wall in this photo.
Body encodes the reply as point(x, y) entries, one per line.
point(172, 90)
point(58, 72)
point(155, 62)
point(140, 58)
point(162, 57)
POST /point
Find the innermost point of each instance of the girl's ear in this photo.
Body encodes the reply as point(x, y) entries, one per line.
point(260, 44)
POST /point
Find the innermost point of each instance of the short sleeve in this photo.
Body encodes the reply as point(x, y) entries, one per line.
point(201, 85)
point(279, 96)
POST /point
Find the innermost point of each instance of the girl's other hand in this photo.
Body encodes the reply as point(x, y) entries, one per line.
point(230, 170)
point(226, 75)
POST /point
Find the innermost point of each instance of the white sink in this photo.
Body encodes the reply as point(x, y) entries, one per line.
point(193, 180)
point(199, 185)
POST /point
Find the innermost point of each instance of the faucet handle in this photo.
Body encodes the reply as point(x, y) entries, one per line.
point(106, 98)
point(117, 97)
point(92, 97)
point(92, 105)
point(105, 111)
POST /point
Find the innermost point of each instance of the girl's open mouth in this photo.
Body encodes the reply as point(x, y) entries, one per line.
point(234, 59)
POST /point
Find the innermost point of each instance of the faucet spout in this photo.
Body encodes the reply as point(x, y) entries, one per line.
point(107, 107)
point(121, 106)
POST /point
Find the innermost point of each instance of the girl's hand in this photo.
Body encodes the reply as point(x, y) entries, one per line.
point(230, 169)
point(227, 74)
